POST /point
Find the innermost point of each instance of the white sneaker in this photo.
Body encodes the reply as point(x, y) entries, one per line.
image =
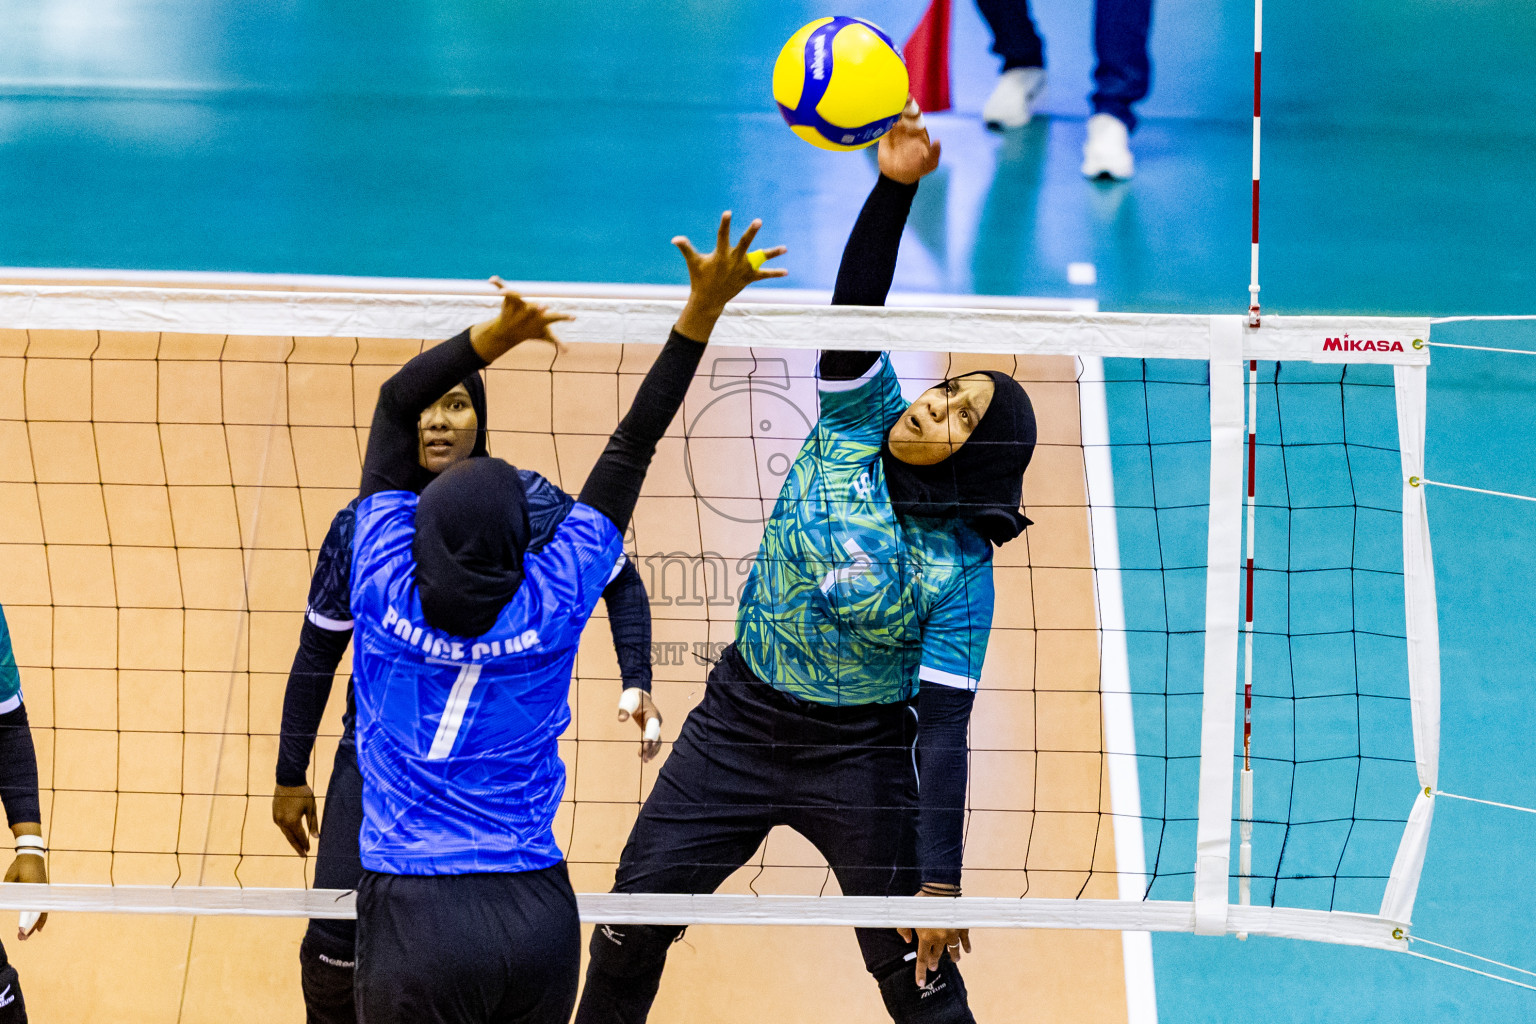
point(1012, 102)
point(1107, 153)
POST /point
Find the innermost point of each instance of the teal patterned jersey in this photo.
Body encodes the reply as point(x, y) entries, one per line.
point(10, 677)
point(847, 603)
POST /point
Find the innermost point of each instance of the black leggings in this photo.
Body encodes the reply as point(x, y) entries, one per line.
point(496, 948)
point(327, 953)
point(748, 758)
point(13, 1008)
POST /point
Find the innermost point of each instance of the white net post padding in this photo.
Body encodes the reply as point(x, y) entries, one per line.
point(1423, 631)
point(1213, 838)
point(1224, 342)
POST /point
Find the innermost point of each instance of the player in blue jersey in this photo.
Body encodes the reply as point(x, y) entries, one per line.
point(18, 793)
point(465, 638)
point(451, 429)
point(861, 632)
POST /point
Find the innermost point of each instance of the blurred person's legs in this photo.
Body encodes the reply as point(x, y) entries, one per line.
point(1022, 81)
point(1121, 78)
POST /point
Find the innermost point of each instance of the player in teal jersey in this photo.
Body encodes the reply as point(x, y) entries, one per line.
point(859, 645)
point(846, 602)
point(18, 793)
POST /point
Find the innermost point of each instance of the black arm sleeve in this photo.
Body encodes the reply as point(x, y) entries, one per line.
point(629, 617)
point(309, 687)
point(869, 264)
point(943, 717)
point(393, 441)
point(614, 484)
point(18, 768)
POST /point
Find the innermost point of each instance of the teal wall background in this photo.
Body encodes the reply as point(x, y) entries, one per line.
point(570, 140)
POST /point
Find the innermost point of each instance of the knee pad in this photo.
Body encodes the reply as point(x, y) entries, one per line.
point(631, 950)
point(13, 1008)
point(941, 1001)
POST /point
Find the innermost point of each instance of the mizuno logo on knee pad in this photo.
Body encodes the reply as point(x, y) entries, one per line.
point(933, 988)
point(612, 935)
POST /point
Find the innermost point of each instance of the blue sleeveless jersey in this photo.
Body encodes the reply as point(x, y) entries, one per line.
point(457, 736)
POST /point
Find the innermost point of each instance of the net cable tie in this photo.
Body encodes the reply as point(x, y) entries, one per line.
point(1482, 348)
point(1490, 803)
point(1474, 956)
point(1419, 481)
point(1471, 970)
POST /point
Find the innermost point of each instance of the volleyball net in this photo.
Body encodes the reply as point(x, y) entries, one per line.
point(170, 460)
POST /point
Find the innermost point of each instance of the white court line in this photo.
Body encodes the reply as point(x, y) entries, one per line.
point(1115, 688)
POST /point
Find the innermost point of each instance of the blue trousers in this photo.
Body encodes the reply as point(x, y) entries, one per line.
point(1123, 73)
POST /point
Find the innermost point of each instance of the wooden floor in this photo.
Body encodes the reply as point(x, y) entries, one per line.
point(161, 499)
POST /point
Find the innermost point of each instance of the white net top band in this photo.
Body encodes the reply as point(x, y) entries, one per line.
point(1322, 339)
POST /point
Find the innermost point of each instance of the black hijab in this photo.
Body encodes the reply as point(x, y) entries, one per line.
point(471, 532)
point(982, 481)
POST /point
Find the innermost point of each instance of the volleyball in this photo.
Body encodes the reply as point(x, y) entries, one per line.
point(840, 83)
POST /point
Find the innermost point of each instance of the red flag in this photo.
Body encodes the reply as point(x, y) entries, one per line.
point(927, 57)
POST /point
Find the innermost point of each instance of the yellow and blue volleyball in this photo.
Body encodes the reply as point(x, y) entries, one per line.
point(840, 83)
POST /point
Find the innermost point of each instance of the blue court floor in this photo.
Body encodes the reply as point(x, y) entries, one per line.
point(458, 138)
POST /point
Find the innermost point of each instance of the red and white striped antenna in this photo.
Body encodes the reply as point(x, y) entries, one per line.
point(1245, 792)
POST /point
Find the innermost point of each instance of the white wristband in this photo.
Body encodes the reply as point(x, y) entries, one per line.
point(34, 851)
point(27, 841)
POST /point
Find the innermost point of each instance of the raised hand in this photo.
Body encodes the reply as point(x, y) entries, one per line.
point(518, 322)
point(906, 152)
point(717, 277)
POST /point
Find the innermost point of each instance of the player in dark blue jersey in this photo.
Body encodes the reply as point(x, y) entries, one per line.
point(18, 793)
point(465, 642)
point(451, 429)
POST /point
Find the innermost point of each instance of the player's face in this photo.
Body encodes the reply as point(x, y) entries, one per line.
point(447, 431)
point(941, 420)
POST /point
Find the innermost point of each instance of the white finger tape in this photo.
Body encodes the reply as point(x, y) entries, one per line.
point(629, 700)
point(653, 730)
point(27, 921)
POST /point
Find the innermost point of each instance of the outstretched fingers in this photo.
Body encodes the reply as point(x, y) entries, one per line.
point(765, 272)
point(686, 248)
point(723, 238)
point(747, 236)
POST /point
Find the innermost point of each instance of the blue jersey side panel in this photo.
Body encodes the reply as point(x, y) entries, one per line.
point(457, 736)
point(548, 506)
point(330, 589)
point(10, 675)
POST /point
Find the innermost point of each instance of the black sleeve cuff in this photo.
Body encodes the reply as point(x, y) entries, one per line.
point(943, 715)
point(629, 618)
point(18, 768)
point(309, 687)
